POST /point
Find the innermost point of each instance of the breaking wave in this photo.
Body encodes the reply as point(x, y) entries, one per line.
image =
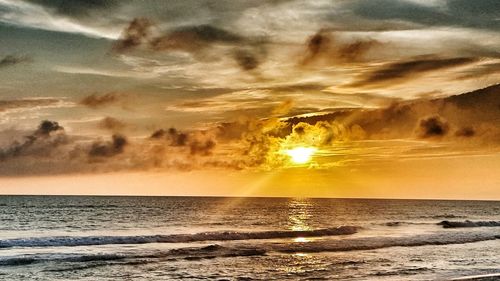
point(468, 223)
point(246, 248)
point(400, 223)
point(189, 253)
point(371, 243)
point(173, 238)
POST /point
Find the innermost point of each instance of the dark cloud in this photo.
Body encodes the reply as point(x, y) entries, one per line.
point(433, 126)
point(77, 7)
point(481, 14)
point(10, 60)
point(186, 38)
point(136, 33)
point(465, 132)
point(295, 87)
point(465, 8)
point(46, 127)
point(475, 114)
point(175, 137)
point(112, 124)
point(47, 136)
point(401, 9)
point(317, 43)
point(198, 142)
point(483, 104)
point(109, 148)
point(354, 50)
point(405, 70)
point(158, 134)
point(246, 59)
point(194, 37)
point(325, 47)
point(95, 100)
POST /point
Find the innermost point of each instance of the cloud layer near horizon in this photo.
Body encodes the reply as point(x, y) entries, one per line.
point(448, 127)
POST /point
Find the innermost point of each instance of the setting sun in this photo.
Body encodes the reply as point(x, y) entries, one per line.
point(301, 155)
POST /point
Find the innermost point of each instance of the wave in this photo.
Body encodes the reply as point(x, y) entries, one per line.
point(371, 243)
point(443, 216)
point(78, 261)
point(173, 238)
point(188, 253)
point(468, 223)
point(400, 223)
point(17, 261)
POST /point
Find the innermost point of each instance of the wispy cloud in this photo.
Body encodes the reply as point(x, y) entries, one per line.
point(403, 71)
point(35, 16)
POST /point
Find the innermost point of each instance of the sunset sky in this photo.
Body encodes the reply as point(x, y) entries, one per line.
point(375, 98)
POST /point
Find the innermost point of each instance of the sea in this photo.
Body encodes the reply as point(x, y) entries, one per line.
point(221, 238)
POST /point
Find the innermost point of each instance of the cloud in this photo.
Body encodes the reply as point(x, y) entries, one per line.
point(10, 60)
point(46, 127)
point(112, 124)
point(96, 101)
point(198, 142)
point(175, 137)
point(433, 126)
point(198, 40)
point(6, 105)
point(109, 148)
point(481, 71)
point(194, 37)
point(480, 14)
point(402, 71)
point(44, 139)
point(424, 118)
point(246, 59)
point(59, 16)
point(465, 132)
point(76, 7)
point(325, 46)
point(136, 33)
point(185, 38)
point(454, 125)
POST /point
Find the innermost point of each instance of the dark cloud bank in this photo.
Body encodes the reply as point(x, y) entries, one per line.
point(472, 115)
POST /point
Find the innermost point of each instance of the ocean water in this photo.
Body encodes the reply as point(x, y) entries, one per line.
point(200, 238)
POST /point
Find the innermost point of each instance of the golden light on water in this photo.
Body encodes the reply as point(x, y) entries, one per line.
point(301, 154)
point(299, 216)
point(301, 240)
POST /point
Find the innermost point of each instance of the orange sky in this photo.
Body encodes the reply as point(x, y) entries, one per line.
point(442, 178)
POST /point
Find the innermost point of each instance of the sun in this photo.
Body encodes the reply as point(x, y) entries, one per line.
point(300, 155)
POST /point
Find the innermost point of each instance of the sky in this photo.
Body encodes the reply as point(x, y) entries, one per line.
point(383, 99)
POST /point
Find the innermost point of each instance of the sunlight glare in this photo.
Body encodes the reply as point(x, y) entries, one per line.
point(301, 155)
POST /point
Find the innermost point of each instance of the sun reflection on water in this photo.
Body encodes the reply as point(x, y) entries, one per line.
point(301, 239)
point(299, 214)
point(299, 217)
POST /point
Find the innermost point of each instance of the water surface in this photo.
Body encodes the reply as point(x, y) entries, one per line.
point(200, 238)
